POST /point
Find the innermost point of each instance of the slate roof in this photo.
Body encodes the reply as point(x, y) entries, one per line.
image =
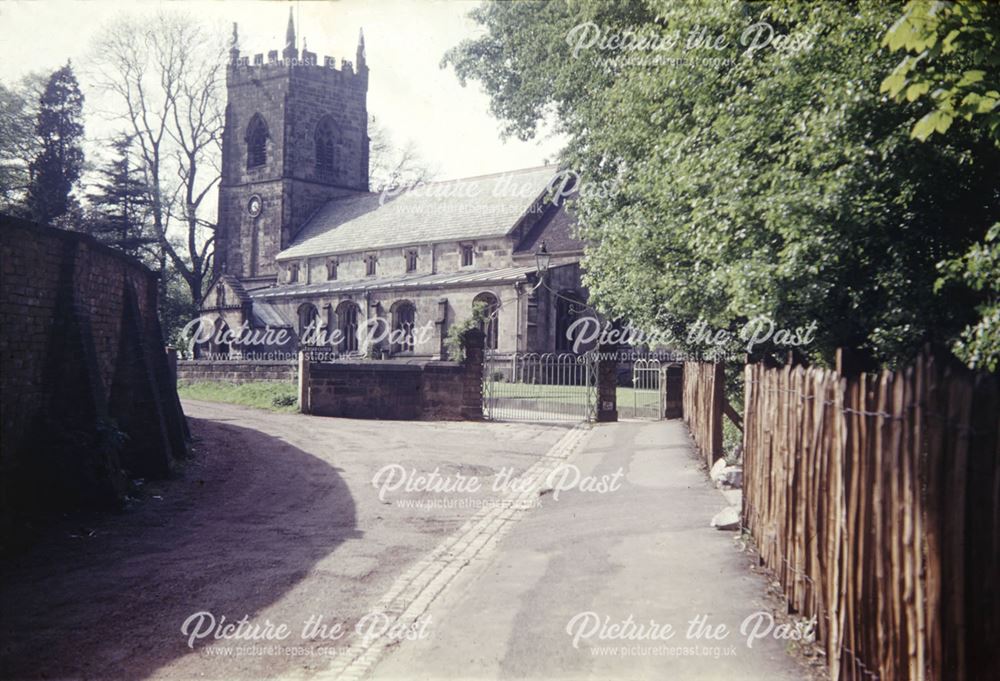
point(235, 284)
point(266, 314)
point(557, 229)
point(471, 208)
point(505, 275)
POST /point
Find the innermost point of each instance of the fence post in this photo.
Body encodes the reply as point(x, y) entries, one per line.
point(718, 399)
point(672, 391)
point(472, 378)
point(607, 383)
point(304, 406)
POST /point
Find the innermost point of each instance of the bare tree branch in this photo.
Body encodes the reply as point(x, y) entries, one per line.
point(168, 76)
point(390, 167)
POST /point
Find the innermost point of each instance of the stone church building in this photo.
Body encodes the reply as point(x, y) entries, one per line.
point(303, 245)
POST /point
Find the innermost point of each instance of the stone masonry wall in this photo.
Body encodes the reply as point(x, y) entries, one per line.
point(291, 99)
point(88, 399)
point(400, 389)
point(235, 371)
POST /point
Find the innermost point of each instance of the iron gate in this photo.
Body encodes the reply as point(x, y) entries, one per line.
point(644, 399)
point(539, 387)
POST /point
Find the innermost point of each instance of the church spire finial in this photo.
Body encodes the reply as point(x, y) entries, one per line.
point(234, 47)
point(361, 48)
point(290, 52)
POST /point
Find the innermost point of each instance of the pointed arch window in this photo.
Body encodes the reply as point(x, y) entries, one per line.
point(404, 316)
point(220, 341)
point(308, 324)
point(326, 139)
point(347, 324)
point(256, 142)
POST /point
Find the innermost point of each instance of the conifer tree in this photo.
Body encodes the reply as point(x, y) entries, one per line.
point(121, 201)
point(56, 169)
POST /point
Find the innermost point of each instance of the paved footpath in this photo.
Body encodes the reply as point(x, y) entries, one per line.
point(587, 561)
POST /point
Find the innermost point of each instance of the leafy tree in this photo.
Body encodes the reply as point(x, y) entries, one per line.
point(455, 341)
point(176, 307)
point(18, 143)
point(121, 202)
point(730, 179)
point(979, 267)
point(953, 59)
point(57, 168)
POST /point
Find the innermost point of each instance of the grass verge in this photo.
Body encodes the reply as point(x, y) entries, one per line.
point(271, 395)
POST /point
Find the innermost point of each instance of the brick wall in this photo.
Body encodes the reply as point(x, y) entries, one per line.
point(87, 395)
point(399, 389)
point(235, 371)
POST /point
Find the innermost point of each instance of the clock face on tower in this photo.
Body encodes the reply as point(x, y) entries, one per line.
point(255, 205)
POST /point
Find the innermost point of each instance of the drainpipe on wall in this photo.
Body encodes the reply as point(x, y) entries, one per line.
point(368, 318)
point(518, 290)
point(442, 324)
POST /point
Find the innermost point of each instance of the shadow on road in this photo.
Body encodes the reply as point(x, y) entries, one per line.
point(241, 526)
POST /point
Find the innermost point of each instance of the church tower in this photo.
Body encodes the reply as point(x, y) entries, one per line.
point(296, 135)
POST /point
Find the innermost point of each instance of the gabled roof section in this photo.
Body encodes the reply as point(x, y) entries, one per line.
point(233, 284)
point(557, 229)
point(471, 208)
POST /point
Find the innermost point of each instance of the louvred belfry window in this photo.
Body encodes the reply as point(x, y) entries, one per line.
point(256, 142)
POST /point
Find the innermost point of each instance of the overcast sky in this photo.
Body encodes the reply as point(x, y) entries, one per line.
point(409, 94)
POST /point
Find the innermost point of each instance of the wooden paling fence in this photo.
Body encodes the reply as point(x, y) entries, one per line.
point(876, 501)
point(704, 396)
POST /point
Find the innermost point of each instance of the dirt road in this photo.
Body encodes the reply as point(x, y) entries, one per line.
point(275, 519)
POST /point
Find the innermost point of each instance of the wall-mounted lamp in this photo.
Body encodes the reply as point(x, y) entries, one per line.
point(542, 259)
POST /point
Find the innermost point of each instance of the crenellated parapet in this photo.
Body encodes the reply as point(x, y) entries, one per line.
point(291, 59)
point(306, 59)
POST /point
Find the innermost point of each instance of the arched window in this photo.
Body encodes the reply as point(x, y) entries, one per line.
point(256, 142)
point(491, 327)
point(308, 323)
point(326, 140)
point(347, 325)
point(220, 339)
point(404, 316)
point(569, 308)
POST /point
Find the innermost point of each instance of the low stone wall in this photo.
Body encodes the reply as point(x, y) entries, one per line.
point(397, 389)
point(235, 371)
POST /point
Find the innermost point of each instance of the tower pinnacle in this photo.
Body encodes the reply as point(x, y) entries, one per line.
point(290, 52)
point(234, 47)
point(361, 48)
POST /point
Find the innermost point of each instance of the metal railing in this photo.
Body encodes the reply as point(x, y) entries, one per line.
point(539, 387)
